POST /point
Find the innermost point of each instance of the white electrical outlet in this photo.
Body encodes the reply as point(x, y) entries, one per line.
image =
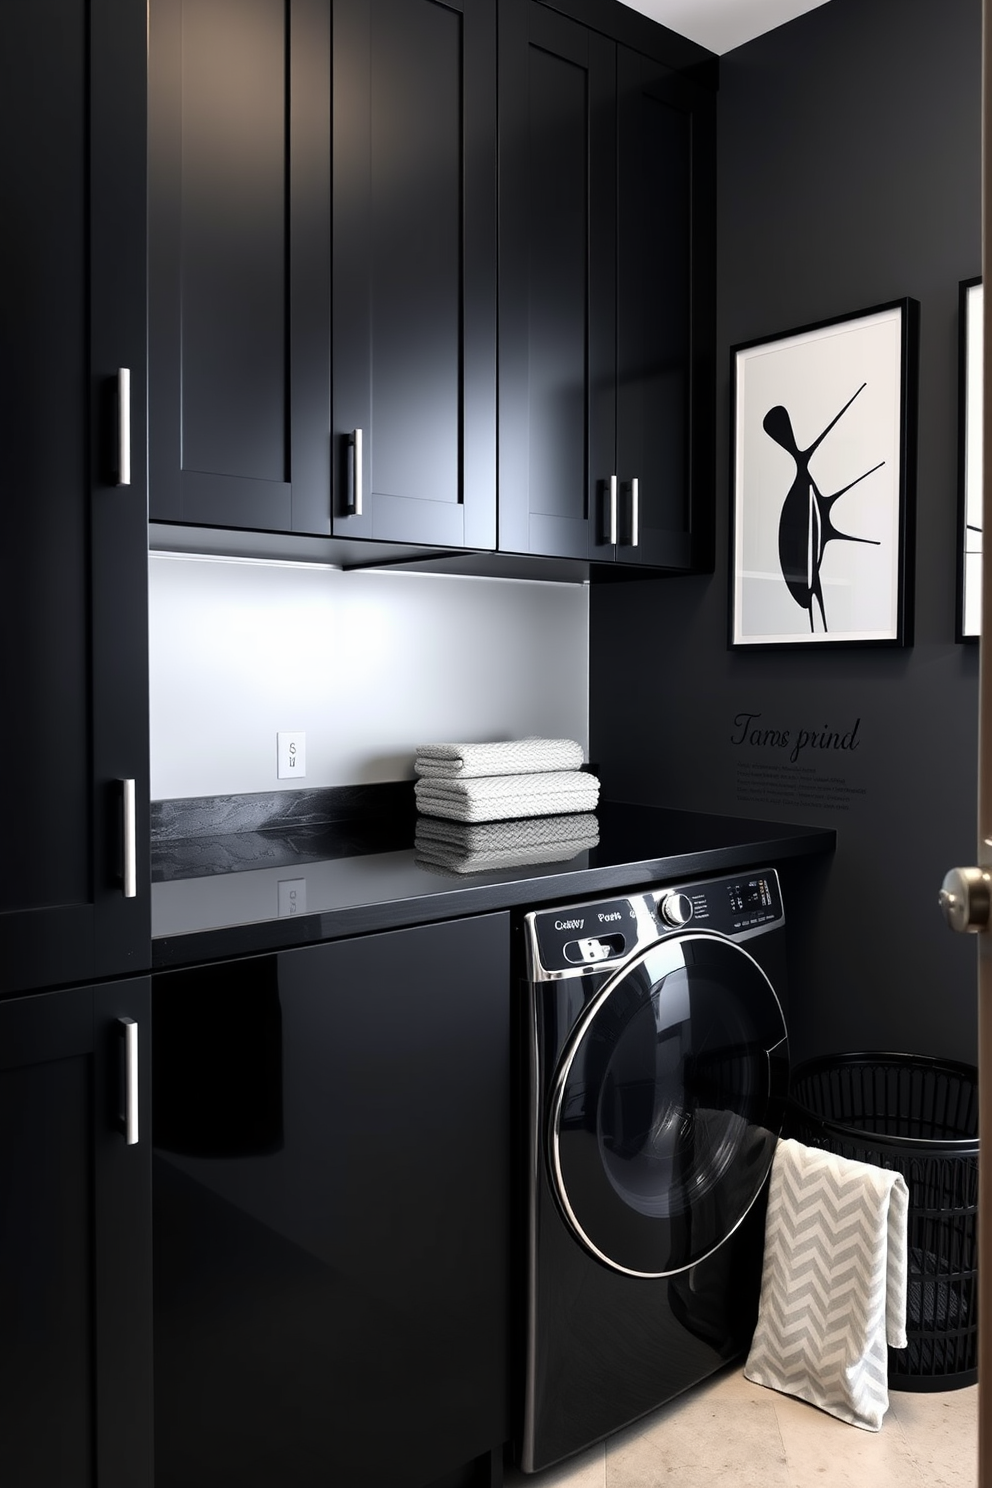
point(291, 756)
point(292, 896)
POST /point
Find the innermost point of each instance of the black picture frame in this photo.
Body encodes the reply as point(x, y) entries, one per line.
point(822, 416)
point(968, 618)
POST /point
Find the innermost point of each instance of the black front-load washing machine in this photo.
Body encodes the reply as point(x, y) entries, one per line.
point(658, 1071)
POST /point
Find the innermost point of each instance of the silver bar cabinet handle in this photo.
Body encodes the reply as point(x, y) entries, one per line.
point(635, 513)
point(128, 1031)
point(124, 426)
point(130, 841)
point(611, 536)
point(355, 441)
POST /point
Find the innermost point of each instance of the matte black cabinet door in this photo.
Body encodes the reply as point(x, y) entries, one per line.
point(75, 1242)
point(557, 289)
point(606, 298)
point(331, 1212)
point(666, 399)
point(414, 271)
point(73, 555)
point(239, 352)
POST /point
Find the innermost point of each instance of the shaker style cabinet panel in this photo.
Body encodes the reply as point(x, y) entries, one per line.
point(557, 286)
point(414, 271)
point(606, 383)
point(75, 1241)
point(73, 566)
point(239, 319)
point(666, 399)
point(325, 225)
point(308, 156)
point(331, 1212)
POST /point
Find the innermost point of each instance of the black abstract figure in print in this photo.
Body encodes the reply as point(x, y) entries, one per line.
point(805, 526)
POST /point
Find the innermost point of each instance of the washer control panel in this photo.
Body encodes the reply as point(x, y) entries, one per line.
point(734, 906)
point(582, 938)
point(584, 935)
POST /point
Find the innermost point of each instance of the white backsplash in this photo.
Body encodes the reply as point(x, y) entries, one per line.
point(369, 663)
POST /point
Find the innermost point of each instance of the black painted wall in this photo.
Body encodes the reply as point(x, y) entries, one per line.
point(849, 175)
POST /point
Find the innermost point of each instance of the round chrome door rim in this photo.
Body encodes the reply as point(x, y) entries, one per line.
point(564, 1068)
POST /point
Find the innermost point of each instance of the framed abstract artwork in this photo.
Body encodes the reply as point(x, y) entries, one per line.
point(969, 618)
point(824, 445)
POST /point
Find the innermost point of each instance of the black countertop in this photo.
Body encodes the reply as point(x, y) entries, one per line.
point(257, 891)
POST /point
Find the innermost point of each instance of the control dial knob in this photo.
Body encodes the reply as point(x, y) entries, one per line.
point(676, 909)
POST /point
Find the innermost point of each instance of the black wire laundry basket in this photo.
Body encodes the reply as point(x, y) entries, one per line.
point(919, 1117)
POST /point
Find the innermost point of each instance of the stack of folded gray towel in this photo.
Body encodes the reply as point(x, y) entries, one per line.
point(503, 804)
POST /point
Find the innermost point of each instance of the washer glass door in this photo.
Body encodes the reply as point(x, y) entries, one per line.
point(667, 1105)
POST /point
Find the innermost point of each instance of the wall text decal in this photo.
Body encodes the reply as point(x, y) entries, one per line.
point(749, 731)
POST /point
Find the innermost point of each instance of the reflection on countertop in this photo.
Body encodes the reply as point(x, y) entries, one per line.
point(285, 878)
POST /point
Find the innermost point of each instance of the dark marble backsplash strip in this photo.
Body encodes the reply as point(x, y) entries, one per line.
point(217, 816)
point(243, 852)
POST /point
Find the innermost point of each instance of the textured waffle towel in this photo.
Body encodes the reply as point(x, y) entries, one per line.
point(833, 1286)
point(514, 757)
point(475, 847)
point(496, 797)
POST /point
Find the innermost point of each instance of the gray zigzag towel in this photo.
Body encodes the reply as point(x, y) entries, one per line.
point(833, 1286)
point(509, 757)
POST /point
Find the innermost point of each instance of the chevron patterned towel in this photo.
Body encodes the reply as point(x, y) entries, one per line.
point(833, 1285)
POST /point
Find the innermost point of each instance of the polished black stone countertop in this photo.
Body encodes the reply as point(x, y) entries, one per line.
point(264, 890)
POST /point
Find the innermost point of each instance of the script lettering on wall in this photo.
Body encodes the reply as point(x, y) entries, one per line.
point(784, 763)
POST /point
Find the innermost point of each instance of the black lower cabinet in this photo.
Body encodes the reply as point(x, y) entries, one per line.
point(331, 1226)
point(75, 1240)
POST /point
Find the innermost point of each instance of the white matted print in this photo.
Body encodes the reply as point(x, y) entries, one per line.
point(970, 395)
point(822, 486)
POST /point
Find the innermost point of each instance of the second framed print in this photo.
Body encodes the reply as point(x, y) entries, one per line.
point(824, 426)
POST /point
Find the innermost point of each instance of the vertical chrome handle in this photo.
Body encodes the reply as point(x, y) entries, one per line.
point(635, 513)
point(124, 426)
point(127, 1028)
point(355, 443)
point(611, 532)
point(130, 874)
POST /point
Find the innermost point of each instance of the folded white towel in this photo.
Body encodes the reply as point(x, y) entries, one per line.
point(496, 797)
point(833, 1285)
point(510, 757)
point(475, 847)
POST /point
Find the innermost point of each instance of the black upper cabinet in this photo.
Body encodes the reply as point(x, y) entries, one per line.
point(75, 1242)
point(323, 277)
point(414, 271)
point(557, 283)
point(606, 292)
point(73, 567)
point(665, 405)
point(245, 154)
point(239, 223)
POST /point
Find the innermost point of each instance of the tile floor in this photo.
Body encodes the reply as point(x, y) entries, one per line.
point(728, 1433)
